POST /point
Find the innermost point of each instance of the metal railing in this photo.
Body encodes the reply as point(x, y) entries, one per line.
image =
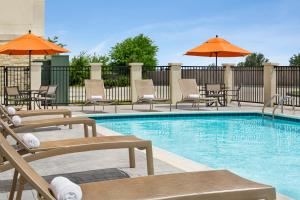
point(117, 83)
point(160, 78)
point(251, 81)
point(288, 84)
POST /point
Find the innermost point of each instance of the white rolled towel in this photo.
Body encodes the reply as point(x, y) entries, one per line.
point(16, 120)
point(96, 98)
point(64, 189)
point(31, 141)
point(148, 96)
point(11, 110)
point(194, 96)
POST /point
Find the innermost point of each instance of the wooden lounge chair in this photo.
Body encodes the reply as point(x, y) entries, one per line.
point(190, 94)
point(66, 146)
point(40, 123)
point(146, 94)
point(206, 185)
point(95, 94)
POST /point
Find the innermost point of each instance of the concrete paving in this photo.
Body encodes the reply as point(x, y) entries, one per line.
point(88, 163)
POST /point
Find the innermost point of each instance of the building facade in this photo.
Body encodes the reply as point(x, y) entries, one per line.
point(17, 17)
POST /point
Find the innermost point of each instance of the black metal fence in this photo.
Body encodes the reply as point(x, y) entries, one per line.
point(117, 83)
point(288, 83)
point(13, 76)
point(160, 78)
point(251, 82)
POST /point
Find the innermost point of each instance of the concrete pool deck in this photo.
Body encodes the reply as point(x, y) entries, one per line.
point(164, 161)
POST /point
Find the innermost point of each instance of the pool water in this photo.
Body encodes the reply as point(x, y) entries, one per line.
point(254, 147)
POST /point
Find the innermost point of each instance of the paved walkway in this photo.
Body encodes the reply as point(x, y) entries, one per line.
point(111, 163)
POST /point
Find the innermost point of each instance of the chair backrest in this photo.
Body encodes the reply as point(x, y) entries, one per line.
point(7, 130)
point(25, 170)
point(51, 90)
point(12, 91)
point(4, 115)
point(43, 89)
point(188, 87)
point(213, 87)
point(144, 87)
point(94, 87)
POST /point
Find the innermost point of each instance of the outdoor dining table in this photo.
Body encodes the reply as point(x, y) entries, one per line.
point(30, 97)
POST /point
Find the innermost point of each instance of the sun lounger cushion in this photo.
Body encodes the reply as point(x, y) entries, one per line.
point(16, 120)
point(11, 110)
point(64, 189)
point(31, 141)
point(148, 96)
point(194, 96)
point(96, 98)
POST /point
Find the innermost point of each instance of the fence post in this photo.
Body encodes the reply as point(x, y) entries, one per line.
point(269, 83)
point(35, 75)
point(228, 78)
point(96, 71)
point(175, 75)
point(135, 74)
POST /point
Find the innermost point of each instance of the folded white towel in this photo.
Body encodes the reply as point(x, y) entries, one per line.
point(96, 98)
point(194, 96)
point(64, 189)
point(17, 120)
point(148, 96)
point(11, 110)
point(31, 141)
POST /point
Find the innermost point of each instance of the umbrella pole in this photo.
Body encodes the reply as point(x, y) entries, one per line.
point(29, 58)
point(216, 59)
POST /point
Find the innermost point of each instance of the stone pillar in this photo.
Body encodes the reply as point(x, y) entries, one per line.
point(135, 74)
point(96, 71)
point(175, 75)
point(36, 75)
point(269, 82)
point(228, 78)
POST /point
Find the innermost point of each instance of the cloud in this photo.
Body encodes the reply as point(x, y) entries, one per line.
point(101, 48)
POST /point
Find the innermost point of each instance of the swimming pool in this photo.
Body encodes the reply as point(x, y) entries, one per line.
point(254, 147)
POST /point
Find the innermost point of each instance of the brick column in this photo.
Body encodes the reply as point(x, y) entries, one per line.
point(135, 74)
point(269, 82)
point(175, 75)
point(96, 71)
point(228, 78)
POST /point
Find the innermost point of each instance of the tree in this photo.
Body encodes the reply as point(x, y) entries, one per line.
point(295, 60)
point(77, 74)
point(55, 41)
point(137, 49)
point(254, 60)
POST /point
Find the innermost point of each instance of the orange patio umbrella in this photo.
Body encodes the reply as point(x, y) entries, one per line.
point(217, 47)
point(31, 44)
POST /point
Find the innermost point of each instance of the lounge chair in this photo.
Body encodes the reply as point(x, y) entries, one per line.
point(66, 146)
point(206, 185)
point(190, 94)
point(40, 123)
point(95, 94)
point(146, 94)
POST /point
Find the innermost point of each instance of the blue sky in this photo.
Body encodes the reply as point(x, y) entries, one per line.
point(268, 26)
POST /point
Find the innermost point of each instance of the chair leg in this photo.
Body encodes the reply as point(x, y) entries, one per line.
point(131, 157)
point(13, 186)
point(149, 155)
point(86, 131)
point(22, 182)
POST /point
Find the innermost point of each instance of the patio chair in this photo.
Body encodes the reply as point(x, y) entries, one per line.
point(41, 123)
point(46, 96)
point(235, 94)
point(190, 94)
point(212, 185)
point(146, 94)
point(95, 94)
point(67, 146)
point(13, 93)
point(216, 91)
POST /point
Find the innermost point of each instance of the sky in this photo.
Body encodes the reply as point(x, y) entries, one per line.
point(271, 27)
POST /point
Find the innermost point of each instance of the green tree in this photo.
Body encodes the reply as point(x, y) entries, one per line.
point(77, 74)
point(295, 60)
point(254, 60)
point(55, 41)
point(137, 49)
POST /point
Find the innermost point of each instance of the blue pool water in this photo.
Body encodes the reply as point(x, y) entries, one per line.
point(261, 149)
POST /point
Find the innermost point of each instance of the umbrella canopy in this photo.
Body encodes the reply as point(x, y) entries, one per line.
point(217, 47)
point(31, 44)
